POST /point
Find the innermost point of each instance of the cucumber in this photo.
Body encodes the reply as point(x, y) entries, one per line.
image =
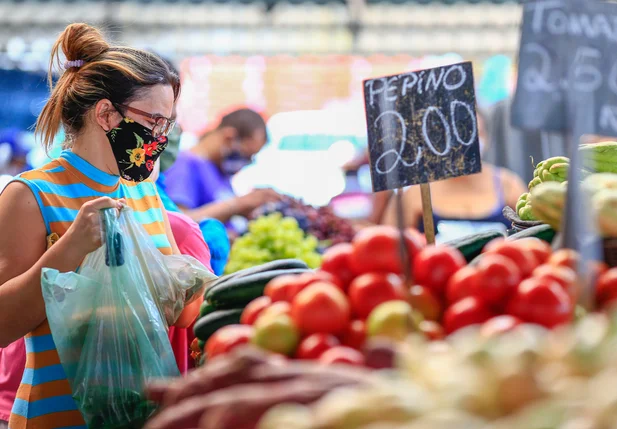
point(543, 232)
point(206, 308)
point(238, 292)
point(210, 323)
point(472, 245)
point(281, 264)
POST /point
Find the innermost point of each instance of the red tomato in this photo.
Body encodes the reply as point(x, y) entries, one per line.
point(565, 257)
point(355, 335)
point(606, 289)
point(522, 257)
point(312, 277)
point(493, 244)
point(377, 249)
point(337, 261)
point(541, 301)
point(283, 288)
point(541, 249)
point(434, 266)
point(369, 290)
point(275, 309)
point(497, 279)
point(432, 330)
point(227, 338)
point(314, 345)
point(321, 308)
point(252, 311)
point(342, 354)
point(468, 311)
point(423, 300)
point(566, 277)
point(461, 284)
point(499, 325)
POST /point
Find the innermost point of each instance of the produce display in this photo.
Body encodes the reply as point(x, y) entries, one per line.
point(550, 170)
point(525, 378)
point(481, 332)
point(225, 299)
point(548, 202)
point(320, 222)
point(599, 157)
point(360, 293)
point(270, 238)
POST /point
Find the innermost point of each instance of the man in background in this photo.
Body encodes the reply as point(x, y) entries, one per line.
point(199, 182)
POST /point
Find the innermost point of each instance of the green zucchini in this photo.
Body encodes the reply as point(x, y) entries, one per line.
point(472, 245)
point(206, 308)
point(210, 323)
point(281, 264)
point(543, 232)
point(238, 292)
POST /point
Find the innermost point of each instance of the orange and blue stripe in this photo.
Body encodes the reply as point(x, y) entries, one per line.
point(44, 399)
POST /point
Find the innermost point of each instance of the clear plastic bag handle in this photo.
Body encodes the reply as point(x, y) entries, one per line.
point(112, 236)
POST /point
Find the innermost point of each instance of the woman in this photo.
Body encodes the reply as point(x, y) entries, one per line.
point(114, 103)
point(464, 205)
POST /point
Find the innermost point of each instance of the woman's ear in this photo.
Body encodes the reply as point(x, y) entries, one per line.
point(106, 115)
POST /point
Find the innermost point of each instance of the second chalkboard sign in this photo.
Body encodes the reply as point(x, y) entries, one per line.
point(422, 126)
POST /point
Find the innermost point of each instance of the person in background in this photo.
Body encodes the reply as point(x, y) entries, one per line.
point(199, 182)
point(114, 103)
point(464, 205)
point(12, 364)
point(190, 241)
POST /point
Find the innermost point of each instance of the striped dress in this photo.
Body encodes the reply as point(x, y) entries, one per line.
point(61, 187)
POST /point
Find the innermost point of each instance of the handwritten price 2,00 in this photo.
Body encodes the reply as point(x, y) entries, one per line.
point(389, 117)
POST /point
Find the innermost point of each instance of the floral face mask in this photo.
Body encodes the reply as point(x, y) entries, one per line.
point(135, 149)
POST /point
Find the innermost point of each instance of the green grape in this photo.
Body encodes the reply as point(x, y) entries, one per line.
point(270, 238)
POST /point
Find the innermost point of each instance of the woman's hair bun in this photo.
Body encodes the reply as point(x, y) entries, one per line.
point(82, 42)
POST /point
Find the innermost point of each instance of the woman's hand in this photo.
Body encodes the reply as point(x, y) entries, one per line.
point(85, 232)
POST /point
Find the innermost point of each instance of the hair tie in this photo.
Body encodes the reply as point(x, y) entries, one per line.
point(75, 63)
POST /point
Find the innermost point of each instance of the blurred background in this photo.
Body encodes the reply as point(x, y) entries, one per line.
point(299, 63)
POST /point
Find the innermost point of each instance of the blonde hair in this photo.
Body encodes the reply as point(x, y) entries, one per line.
point(115, 73)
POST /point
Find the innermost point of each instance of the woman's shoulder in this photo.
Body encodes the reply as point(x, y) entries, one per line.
point(49, 172)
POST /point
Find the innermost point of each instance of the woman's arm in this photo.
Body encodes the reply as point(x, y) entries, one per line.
point(222, 210)
point(22, 257)
point(380, 205)
point(412, 209)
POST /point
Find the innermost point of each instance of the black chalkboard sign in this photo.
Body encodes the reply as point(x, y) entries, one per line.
point(422, 126)
point(567, 79)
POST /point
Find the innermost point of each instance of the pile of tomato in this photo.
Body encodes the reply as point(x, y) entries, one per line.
point(325, 315)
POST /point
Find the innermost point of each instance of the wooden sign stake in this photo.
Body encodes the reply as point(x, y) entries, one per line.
point(400, 221)
point(427, 213)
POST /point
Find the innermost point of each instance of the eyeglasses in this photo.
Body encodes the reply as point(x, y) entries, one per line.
point(162, 125)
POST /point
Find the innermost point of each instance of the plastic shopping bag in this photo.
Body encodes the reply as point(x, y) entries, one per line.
point(109, 321)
